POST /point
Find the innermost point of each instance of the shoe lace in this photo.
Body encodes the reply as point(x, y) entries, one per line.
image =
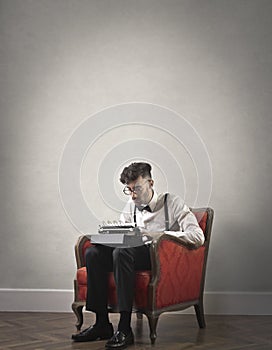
point(116, 334)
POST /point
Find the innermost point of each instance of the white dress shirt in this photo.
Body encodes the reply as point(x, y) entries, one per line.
point(182, 221)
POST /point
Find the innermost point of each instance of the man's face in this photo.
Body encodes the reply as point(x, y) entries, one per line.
point(141, 190)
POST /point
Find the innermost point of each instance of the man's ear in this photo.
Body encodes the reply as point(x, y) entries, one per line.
point(151, 182)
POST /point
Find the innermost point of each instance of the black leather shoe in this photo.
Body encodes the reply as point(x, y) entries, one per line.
point(120, 340)
point(94, 333)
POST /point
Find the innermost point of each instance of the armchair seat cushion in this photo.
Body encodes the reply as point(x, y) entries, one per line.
point(142, 281)
point(82, 276)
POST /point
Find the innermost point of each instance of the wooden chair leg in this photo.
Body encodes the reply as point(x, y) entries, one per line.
point(153, 321)
point(77, 308)
point(199, 310)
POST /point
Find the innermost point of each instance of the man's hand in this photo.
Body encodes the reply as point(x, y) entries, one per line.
point(151, 235)
point(155, 235)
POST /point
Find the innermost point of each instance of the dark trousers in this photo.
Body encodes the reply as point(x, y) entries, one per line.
point(100, 260)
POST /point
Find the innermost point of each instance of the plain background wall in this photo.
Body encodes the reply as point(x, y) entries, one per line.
point(63, 60)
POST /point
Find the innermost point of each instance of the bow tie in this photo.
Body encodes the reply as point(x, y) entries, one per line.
point(147, 208)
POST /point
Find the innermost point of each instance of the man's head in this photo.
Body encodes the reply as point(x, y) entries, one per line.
point(139, 183)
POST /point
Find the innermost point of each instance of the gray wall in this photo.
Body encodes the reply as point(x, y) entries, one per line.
point(64, 60)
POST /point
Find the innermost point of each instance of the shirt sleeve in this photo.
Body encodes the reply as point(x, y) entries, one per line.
point(190, 230)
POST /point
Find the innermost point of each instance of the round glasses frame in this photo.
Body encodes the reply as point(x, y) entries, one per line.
point(137, 189)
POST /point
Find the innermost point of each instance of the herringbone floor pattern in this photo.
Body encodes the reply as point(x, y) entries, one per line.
point(42, 331)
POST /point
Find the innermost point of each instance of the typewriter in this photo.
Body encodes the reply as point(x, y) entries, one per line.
point(117, 235)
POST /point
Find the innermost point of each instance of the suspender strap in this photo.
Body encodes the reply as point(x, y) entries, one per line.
point(135, 221)
point(166, 213)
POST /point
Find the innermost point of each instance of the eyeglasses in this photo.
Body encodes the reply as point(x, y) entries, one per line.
point(137, 189)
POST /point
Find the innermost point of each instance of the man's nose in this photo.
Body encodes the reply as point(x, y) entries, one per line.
point(133, 195)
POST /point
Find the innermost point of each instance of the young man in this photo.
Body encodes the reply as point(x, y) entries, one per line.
point(145, 208)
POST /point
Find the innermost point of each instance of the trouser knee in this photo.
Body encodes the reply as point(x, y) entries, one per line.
point(121, 255)
point(91, 255)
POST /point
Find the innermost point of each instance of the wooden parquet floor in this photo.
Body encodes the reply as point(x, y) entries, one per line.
point(43, 331)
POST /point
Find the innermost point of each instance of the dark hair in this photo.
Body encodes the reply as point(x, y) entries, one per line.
point(134, 170)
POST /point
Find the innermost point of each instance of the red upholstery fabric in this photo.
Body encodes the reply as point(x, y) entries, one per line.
point(180, 274)
point(82, 276)
point(81, 284)
point(82, 292)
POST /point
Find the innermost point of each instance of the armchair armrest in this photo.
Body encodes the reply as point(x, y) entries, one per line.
point(177, 271)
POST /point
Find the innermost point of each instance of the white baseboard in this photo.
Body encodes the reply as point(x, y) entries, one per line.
point(50, 300)
point(59, 300)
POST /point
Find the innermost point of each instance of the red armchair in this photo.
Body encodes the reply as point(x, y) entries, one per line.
point(175, 282)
